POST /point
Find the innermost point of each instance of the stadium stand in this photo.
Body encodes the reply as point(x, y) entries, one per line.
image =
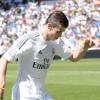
point(23, 17)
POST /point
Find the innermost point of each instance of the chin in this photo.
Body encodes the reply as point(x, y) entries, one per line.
point(54, 38)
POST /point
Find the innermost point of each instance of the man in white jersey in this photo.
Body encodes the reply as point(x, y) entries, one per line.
point(35, 52)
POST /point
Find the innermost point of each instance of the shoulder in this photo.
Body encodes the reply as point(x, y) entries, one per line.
point(25, 38)
point(32, 35)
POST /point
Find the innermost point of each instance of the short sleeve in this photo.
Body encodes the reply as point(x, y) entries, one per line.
point(64, 48)
point(16, 50)
point(12, 54)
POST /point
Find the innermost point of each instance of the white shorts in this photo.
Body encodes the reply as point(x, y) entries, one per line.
point(25, 98)
point(16, 95)
point(31, 99)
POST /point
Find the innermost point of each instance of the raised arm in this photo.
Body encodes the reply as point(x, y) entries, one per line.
point(79, 53)
point(3, 68)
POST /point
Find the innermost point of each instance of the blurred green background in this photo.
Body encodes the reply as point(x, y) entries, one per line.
point(66, 80)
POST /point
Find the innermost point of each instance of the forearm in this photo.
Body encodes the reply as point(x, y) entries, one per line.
point(78, 54)
point(1, 90)
point(3, 67)
point(2, 86)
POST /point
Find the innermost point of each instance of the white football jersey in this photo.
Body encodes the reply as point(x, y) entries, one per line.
point(34, 56)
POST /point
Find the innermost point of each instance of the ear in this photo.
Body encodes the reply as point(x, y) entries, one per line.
point(50, 26)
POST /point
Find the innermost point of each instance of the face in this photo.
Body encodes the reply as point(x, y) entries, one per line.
point(55, 32)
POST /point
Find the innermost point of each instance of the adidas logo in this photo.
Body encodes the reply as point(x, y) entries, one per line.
point(40, 52)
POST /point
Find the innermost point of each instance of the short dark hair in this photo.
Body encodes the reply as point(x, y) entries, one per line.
point(58, 18)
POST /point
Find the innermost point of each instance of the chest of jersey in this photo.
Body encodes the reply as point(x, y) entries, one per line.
point(43, 55)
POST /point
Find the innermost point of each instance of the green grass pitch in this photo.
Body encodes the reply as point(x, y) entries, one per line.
point(66, 80)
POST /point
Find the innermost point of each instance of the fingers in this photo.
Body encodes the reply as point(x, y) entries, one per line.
point(92, 43)
point(88, 43)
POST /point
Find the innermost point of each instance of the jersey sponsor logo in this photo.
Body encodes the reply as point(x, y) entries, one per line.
point(46, 61)
point(40, 52)
point(40, 66)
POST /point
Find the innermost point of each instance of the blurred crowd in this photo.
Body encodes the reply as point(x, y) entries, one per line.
point(83, 15)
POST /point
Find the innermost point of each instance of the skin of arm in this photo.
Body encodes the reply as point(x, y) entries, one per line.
point(3, 68)
point(79, 53)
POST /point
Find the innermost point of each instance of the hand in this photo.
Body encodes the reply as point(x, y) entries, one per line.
point(1, 94)
point(88, 43)
point(1, 98)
